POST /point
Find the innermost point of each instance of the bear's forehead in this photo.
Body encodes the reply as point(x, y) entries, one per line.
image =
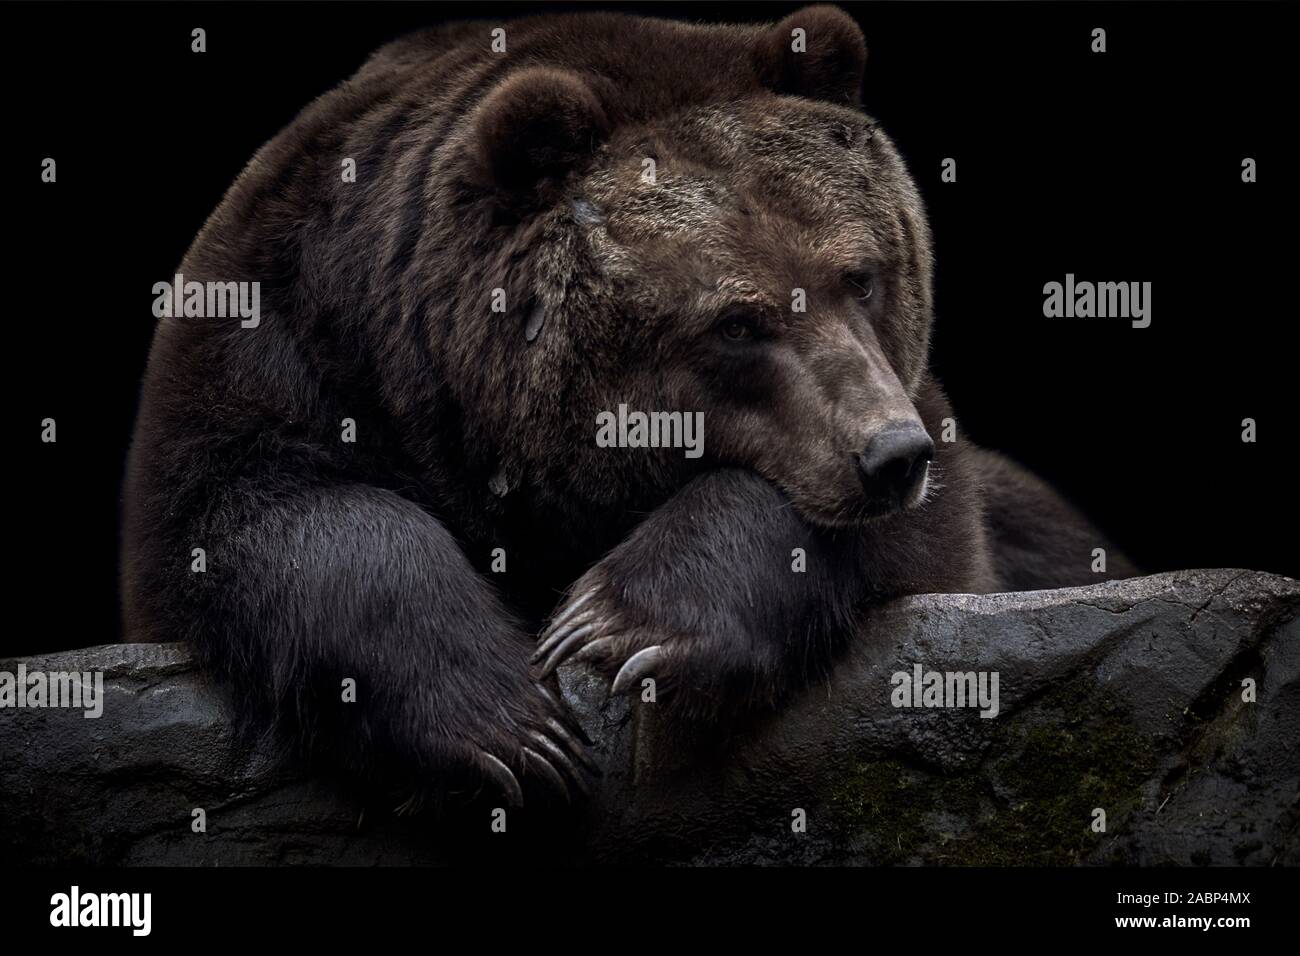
point(722, 179)
point(800, 159)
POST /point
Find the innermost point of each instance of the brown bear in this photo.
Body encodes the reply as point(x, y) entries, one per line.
point(467, 254)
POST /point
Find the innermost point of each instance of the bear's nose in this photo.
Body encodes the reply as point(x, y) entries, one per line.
point(894, 463)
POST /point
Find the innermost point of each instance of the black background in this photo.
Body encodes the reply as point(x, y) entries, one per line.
point(1122, 166)
point(347, 908)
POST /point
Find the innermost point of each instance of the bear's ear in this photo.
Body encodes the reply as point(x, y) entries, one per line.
point(818, 52)
point(535, 126)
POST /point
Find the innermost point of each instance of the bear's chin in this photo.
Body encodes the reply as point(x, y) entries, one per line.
point(858, 515)
point(864, 512)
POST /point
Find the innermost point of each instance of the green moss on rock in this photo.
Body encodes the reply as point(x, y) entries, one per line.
point(1031, 805)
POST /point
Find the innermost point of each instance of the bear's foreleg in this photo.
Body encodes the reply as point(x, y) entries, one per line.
point(724, 598)
point(353, 616)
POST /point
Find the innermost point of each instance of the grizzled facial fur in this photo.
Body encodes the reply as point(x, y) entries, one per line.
point(775, 274)
point(761, 257)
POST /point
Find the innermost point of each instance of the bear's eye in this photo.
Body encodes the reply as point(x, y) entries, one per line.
point(738, 327)
point(862, 284)
point(736, 330)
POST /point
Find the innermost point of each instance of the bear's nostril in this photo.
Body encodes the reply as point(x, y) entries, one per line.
point(893, 464)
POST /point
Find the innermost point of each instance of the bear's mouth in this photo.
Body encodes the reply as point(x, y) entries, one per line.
point(856, 512)
point(913, 497)
point(858, 515)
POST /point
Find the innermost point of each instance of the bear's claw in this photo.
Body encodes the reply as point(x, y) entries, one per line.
point(571, 628)
point(544, 745)
point(636, 667)
point(603, 651)
point(567, 629)
point(586, 631)
point(566, 641)
point(596, 649)
point(575, 746)
point(556, 755)
point(503, 776)
point(569, 611)
point(548, 771)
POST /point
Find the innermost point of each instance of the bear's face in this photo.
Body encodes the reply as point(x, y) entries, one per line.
point(769, 264)
point(757, 254)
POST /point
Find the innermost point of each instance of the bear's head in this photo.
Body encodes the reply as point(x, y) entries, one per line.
point(757, 253)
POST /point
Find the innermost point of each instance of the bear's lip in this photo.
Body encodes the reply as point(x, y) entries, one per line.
point(861, 513)
point(866, 511)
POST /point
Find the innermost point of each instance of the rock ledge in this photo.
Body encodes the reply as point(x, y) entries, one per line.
point(1124, 697)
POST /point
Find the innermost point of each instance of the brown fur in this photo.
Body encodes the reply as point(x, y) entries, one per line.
point(523, 172)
